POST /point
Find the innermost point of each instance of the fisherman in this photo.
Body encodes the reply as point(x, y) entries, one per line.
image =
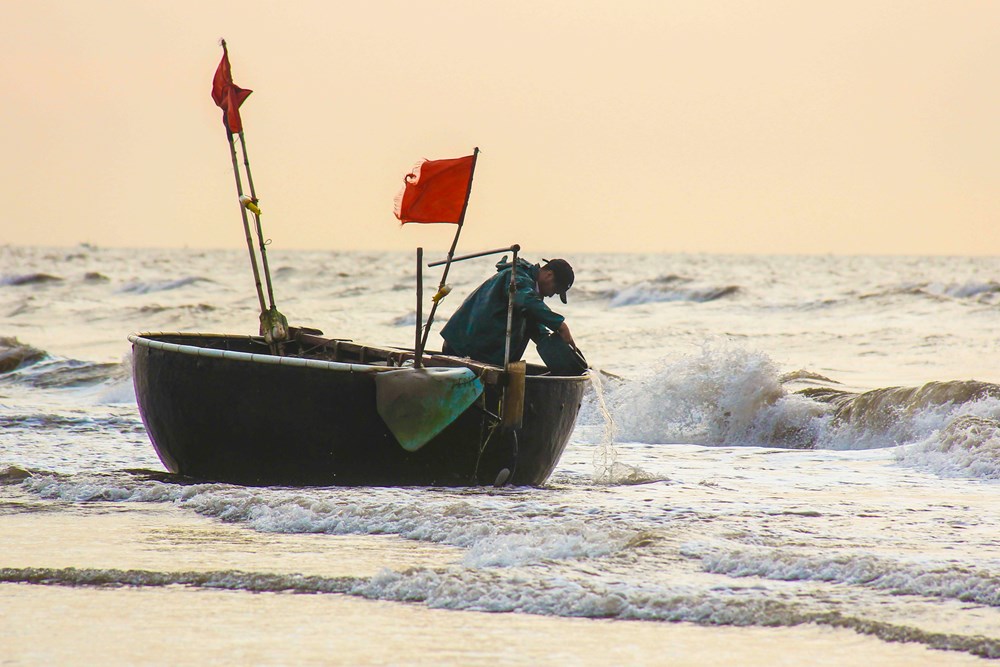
point(478, 329)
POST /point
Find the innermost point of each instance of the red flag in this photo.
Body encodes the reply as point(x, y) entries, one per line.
point(227, 95)
point(436, 190)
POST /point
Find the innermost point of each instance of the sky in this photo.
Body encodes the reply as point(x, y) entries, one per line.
point(847, 127)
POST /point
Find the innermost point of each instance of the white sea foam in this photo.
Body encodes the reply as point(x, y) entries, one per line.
point(728, 395)
point(100, 488)
point(566, 596)
point(567, 541)
point(117, 389)
point(491, 535)
point(905, 578)
point(592, 598)
point(492, 539)
point(114, 392)
point(725, 394)
point(967, 446)
point(951, 439)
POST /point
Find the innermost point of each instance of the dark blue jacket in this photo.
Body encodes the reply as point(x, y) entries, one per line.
point(478, 329)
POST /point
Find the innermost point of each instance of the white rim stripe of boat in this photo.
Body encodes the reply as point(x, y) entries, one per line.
point(139, 339)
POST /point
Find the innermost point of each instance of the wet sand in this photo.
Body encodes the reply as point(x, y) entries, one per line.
point(176, 624)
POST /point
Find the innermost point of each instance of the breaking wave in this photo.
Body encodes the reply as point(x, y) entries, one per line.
point(146, 287)
point(984, 292)
point(15, 354)
point(23, 364)
point(727, 395)
point(966, 290)
point(29, 279)
point(53, 373)
point(667, 288)
point(969, 446)
point(14, 475)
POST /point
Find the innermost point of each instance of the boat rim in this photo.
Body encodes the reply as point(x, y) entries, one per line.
point(194, 350)
point(144, 340)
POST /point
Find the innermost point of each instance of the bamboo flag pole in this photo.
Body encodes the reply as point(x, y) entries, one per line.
point(273, 325)
point(256, 215)
point(451, 253)
point(228, 97)
point(246, 223)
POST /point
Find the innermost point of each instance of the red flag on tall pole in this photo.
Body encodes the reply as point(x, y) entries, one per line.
point(436, 191)
point(227, 95)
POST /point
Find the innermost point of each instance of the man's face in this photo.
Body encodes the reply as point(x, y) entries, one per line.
point(547, 285)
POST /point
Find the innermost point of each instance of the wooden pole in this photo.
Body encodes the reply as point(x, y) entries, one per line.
point(474, 255)
point(260, 233)
point(511, 291)
point(451, 251)
point(246, 223)
point(418, 350)
point(513, 389)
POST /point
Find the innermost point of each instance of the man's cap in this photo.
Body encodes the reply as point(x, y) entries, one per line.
point(563, 273)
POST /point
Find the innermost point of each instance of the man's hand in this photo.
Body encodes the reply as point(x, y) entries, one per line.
point(564, 333)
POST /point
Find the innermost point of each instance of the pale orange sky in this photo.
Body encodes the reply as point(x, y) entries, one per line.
point(775, 127)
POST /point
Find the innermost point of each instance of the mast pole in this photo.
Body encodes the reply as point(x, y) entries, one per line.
point(451, 253)
point(418, 350)
point(246, 222)
point(511, 291)
point(260, 233)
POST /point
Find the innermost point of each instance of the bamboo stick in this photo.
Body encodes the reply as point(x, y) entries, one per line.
point(260, 233)
point(418, 349)
point(511, 291)
point(474, 255)
point(246, 223)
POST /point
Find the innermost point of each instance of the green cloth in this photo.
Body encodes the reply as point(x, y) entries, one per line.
point(478, 328)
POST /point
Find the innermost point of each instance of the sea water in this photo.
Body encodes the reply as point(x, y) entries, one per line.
point(783, 460)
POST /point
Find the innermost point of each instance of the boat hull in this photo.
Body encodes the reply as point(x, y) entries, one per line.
point(224, 417)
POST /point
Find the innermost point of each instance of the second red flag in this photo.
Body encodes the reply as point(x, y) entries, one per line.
point(436, 191)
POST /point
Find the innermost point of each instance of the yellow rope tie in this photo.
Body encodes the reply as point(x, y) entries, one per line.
point(249, 203)
point(442, 292)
